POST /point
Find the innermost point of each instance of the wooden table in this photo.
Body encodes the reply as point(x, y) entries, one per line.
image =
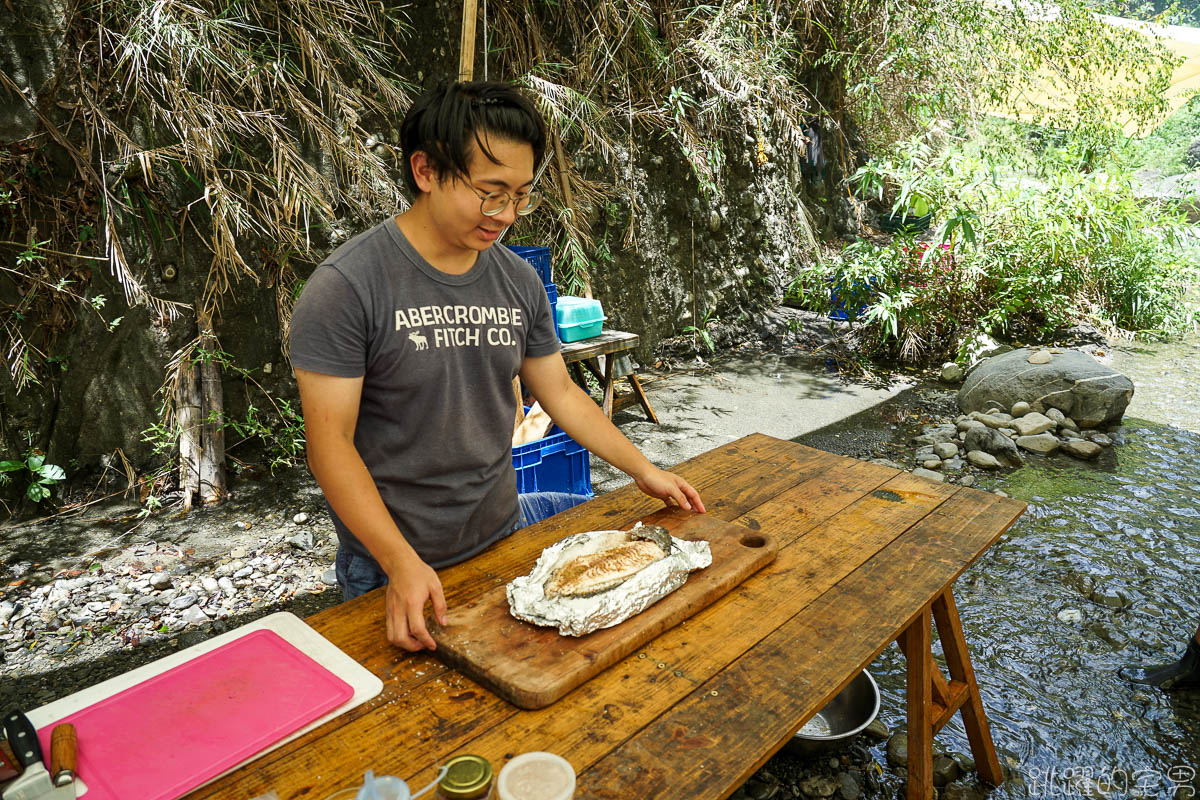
point(587, 354)
point(868, 556)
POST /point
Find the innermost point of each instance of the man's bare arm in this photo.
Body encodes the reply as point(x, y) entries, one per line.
point(330, 414)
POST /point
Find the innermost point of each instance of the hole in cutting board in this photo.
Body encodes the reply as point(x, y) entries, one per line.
point(752, 540)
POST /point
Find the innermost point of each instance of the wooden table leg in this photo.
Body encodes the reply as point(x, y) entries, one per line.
point(958, 662)
point(917, 644)
point(933, 701)
point(640, 394)
point(607, 384)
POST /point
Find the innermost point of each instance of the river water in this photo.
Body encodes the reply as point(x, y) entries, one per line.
point(1100, 572)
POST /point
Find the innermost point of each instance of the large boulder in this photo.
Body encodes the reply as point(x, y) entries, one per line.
point(1073, 382)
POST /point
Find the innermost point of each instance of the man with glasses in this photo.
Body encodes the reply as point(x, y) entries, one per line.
point(405, 343)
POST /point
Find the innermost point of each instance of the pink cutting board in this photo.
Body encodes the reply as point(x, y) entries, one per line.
point(169, 734)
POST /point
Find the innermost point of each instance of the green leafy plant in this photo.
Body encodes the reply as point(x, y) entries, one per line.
point(41, 477)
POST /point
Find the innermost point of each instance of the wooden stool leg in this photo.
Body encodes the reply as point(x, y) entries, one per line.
point(640, 394)
point(607, 383)
point(917, 641)
point(958, 662)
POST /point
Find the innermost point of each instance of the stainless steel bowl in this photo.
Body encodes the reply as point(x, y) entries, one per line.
point(845, 716)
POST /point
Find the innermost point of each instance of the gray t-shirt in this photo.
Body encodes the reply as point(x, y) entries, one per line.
point(437, 354)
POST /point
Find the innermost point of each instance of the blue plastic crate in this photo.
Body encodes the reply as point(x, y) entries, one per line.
point(839, 311)
point(554, 463)
point(552, 293)
point(539, 257)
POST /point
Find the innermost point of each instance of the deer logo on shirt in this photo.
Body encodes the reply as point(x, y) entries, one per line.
point(419, 340)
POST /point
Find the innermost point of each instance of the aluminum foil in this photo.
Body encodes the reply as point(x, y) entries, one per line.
point(578, 616)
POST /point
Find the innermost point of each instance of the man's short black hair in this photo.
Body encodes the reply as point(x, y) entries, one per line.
point(443, 122)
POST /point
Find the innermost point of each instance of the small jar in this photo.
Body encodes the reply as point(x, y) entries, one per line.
point(536, 776)
point(467, 777)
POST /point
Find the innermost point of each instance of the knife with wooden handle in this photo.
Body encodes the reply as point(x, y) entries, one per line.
point(63, 755)
point(35, 782)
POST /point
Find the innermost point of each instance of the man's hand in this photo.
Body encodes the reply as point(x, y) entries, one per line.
point(669, 487)
point(409, 587)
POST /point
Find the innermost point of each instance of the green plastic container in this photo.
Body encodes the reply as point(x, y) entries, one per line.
point(579, 318)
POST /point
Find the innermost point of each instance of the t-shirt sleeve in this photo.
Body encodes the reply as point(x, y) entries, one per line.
point(329, 327)
point(542, 339)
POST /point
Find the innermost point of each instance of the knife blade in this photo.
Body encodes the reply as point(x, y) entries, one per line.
point(35, 782)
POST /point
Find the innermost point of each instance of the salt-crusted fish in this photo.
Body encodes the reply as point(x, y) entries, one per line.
point(608, 562)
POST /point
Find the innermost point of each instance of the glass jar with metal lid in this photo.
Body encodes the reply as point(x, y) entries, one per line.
point(467, 777)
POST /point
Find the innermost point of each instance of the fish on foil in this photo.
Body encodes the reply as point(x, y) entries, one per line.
point(598, 579)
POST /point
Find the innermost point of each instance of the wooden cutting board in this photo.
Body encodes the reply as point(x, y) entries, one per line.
point(532, 666)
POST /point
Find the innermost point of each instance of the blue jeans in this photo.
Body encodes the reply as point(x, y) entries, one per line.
point(358, 575)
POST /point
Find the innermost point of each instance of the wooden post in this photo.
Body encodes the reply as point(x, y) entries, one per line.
point(466, 51)
point(212, 431)
point(187, 418)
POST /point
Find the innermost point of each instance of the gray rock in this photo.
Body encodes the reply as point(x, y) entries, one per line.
point(983, 460)
point(227, 586)
point(194, 616)
point(965, 762)
point(897, 750)
point(160, 580)
point(1111, 597)
point(1056, 415)
point(302, 540)
point(849, 785)
point(935, 434)
point(945, 770)
point(1020, 409)
point(925, 452)
point(953, 465)
point(1040, 357)
point(183, 601)
point(995, 443)
point(1073, 382)
point(329, 577)
point(931, 463)
point(877, 730)
point(966, 424)
point(967, 480)
point(1041, 443)
point(1032, 424)
point(237, 552)
point(887, 462)
point(951, 372)
point(210, 585)
point(300, 518)
point(991, 420)
point(1067, 422)
point(921, 472)
point(1102, 439)
point(819, 786)
point(945, 450)
point(1081, 449)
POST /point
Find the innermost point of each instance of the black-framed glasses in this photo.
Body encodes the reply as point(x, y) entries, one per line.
point(493, 203)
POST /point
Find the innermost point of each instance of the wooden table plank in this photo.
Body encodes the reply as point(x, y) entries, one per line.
point(607, 342)
point(763, 697)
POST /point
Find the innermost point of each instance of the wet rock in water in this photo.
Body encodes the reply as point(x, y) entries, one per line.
point(965, 762)
point(160, 580)
point(300, 518)
point(983, 460)
point(1041, 443)
point(921, 472)
point(1073, 382)
point(945, 770)
point(994, 443)
point(945, 450)
point(819, 786)
point(935, 434)
point(1111, 597)
point(1101, 439)
point(897, 750)
point(850, 785)
point(877, 730)
point(329, 577)
point(951, 372)
point(1070, 615)
point(1032, 424)
point(960, 791)
point(1081, 449)
point(1020, 409)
